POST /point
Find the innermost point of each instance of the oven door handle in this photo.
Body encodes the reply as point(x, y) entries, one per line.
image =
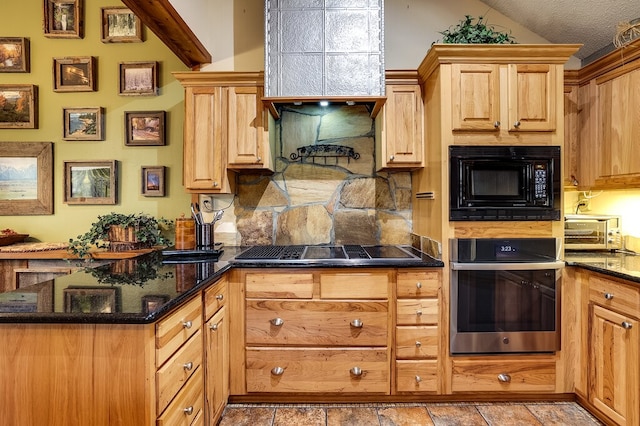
point(501, 266)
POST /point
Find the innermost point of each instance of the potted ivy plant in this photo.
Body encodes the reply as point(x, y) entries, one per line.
point(121, 232)
point(475, 31)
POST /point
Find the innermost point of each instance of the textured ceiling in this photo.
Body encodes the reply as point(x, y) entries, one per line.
point(590, 22)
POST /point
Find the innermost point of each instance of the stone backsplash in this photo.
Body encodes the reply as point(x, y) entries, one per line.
point(321, 200)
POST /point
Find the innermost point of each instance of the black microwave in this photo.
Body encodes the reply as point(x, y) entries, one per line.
point(504, 183)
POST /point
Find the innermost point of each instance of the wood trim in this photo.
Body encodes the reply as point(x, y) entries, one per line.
point(166, 23)
point(613, 60)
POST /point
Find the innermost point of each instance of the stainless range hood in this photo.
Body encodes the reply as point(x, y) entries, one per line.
point(324, 50)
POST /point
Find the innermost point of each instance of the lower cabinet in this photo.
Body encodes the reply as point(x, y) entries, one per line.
point(216, 351)
point(517, 374)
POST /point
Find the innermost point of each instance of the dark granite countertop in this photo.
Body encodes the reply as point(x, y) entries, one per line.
point(140, 290)
point(616, 264)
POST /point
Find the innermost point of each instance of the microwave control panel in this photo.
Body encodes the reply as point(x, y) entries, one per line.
point(540, 180)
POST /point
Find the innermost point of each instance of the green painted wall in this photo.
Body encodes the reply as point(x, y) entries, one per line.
point(23, 18)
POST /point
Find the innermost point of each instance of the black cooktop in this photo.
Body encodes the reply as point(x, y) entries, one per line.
point(327, 252)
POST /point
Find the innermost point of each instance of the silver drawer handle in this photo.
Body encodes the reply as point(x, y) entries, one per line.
point(504, 378)
point(259, 159)
point(391, 158)
point(188, 411)
point(215, 184)
point(357, 323)
point(187, 324)
point(188, 366)
point(626, 324)
point(418, 285)
point(219, 297)
point(418, 312)
point(214, 327)
point(516, 124)
point(418, 344)
point(356, 371)
point(277, 371)
point(496, 124)
point(277, 321)
point(608, 296)
point(418, 379)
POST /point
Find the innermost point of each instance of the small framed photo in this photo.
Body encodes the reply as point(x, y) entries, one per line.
point(90, 182)
point(139, 78)
point(74, 74)
point(20, 109)
point(151, 303)
point(120, 25)
point(153, 181)
point(84, 300)
point(144, 128)
point(14, 54)
point(63, 18)
point(83, 124)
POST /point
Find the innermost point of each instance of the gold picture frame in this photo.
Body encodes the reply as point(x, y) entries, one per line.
point(14, 54)
point(139, 78)
point(83, 124)
point(63, 18)
point(153, 181)
point(90, 182)
point(20, 110)
point(74, 74)
point(120, 25)
point(32, 193)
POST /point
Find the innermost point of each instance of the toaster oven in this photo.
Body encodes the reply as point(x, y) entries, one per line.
point(592, 232)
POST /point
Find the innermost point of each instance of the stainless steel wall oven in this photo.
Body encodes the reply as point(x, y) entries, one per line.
point(505, 295)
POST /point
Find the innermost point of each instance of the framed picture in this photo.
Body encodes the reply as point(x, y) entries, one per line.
point(120, 25)
point(139, 78)
point(20, 106)
point(14, 54)
point(63, 18)
point(84, 300)
point(83, 124)
point(28, 186)
point(144, 128)
point(151, 302)
point(153, 181)
point(74, 74)
point(90, 182)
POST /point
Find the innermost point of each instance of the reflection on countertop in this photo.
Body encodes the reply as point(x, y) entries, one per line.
point(625, 265)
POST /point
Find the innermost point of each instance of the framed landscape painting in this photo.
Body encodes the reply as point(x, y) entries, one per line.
point(120, 25)
point(14, 54)
point(90, 182)
point(74, 74)
point(63, 18)
point(144, 128)
point(19, 106)
point(153, 181)
point(83, 124)
point(139, 78)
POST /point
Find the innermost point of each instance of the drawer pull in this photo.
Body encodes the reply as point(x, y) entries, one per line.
point(277, 371)
point(356, 371)
point(608, 296)
point(188, 366)
point(357, 323)
point(277, 321)
point(214, 327)
point(188, 411)
point(418, 379)
point(418, 312)
point(219, 297)
point(504, 378)
point(418, 343)
point(496, 124)
point(516, 124)
point(418, 285)
point(626, 324)
point(187, 324)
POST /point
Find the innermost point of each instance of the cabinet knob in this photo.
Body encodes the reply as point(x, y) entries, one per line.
point(516, 124)
point(219, 297)
point(608, 296)
point(418, 312)
point(496, 124)
point(277, 371)
point(357, 323)
point(418, 379)
point(418, 343)
point(504, 378)
point(356, 371)
point(188, 411)
point(215, 184)
point(259, 160)
point(277, 322)
point(188, 366)
point(187, 324)
point(214, 327)
point(392, 157)
point(626, 324)
point(418, 285)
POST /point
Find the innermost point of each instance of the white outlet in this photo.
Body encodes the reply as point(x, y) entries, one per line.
point(206, 203)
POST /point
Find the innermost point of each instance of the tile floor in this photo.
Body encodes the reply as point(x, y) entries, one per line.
point(436, 414)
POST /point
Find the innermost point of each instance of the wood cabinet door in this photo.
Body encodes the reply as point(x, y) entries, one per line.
point(217, 366)
point(532, 97)
point(475, 94)
point(403, 131)
point(614, 372)
point(248, 137)
point(204, 129)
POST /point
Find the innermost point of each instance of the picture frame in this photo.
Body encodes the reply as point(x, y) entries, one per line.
point(90, 300)
point(83, 124)
point(144, 128)
point(90, 182)
point(139, 78)
point(31, 193)
point(20, 109)
point(153, 181)
point(153, 302)
point(120, 25)
point(15, 54)
point(74, 74)
point(63, 18)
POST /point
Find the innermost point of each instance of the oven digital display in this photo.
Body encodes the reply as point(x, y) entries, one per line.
point(505, 250)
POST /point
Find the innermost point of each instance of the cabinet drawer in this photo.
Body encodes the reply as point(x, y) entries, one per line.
point(295, 322)
point(417, 342)
point(215, 297)
point(177, 328)
point(417, 311)
point(282, 286)
point(187, 405)
point(354, 285)
point(417, 376)
point(318, 370)
point(503, 376)
point(418, 284)
point(622, 298)
point(177, 370)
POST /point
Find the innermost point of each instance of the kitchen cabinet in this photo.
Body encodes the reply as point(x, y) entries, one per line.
point(400, 125)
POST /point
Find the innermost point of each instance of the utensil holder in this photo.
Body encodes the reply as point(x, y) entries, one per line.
point(204, 236)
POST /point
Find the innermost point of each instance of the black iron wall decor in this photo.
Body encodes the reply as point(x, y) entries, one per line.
point(324, 151)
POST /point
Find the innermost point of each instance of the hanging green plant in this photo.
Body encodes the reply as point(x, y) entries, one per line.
point(469, 32)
